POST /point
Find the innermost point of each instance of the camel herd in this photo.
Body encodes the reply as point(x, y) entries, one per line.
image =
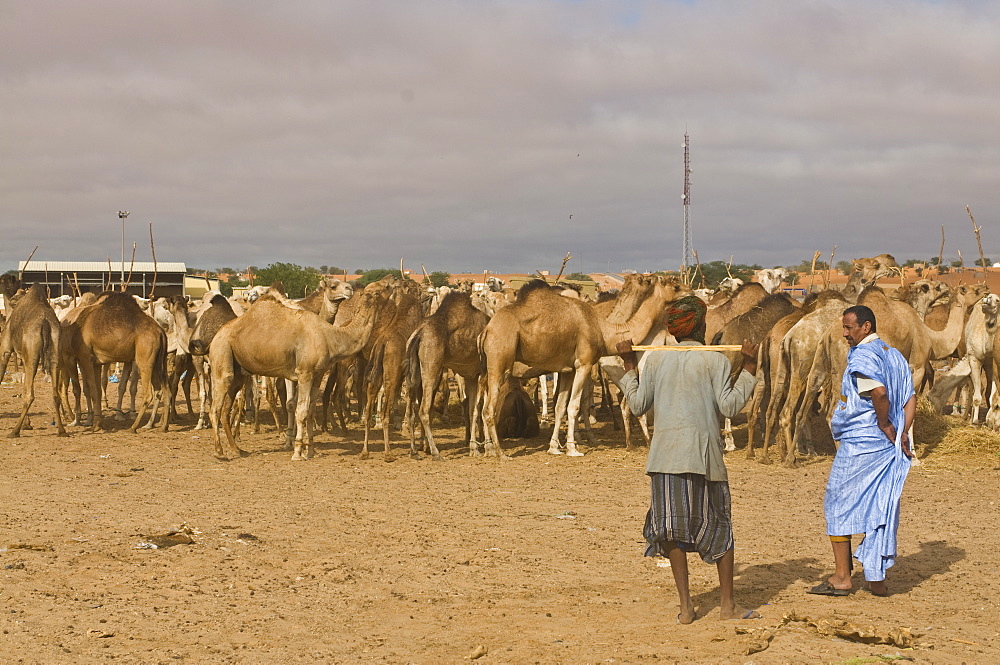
point(369, 349)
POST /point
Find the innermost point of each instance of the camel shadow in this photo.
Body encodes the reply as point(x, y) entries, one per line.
point(758, 584)
point(935, 557)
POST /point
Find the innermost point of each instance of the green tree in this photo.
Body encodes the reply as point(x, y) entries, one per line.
point(579, 277)
point(845, 267)
point(298, 281)
point(989, 262)
point(715, 271)
point(369, 276)
point(439, 278)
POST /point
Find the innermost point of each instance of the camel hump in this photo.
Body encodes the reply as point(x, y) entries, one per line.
point(531, 287)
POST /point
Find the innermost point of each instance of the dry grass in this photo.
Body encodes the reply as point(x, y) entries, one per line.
point(948, 442)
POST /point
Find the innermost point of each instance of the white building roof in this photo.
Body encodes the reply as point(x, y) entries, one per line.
point(99, 266)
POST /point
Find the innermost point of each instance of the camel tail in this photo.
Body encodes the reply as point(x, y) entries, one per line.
point(198, 347)
point(160, 366)
point(414, 381)
point(375, 366)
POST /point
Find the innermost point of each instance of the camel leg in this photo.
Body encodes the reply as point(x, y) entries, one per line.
point(30, 370)
point(580, 380)
point(303, 390)
point(366, 414)
point(976, 375)
point(147, 398)
point(293, 435)
point(727, 435)
point(204, 393)
point(562, 402)
point(92, 390)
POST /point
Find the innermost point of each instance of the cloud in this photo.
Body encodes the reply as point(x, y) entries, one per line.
point(463, 135)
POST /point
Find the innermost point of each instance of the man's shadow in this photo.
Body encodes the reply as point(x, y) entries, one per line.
point(759, 584)
point(935, 557)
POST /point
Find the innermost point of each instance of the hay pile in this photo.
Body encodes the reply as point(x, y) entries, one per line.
point(948, 441)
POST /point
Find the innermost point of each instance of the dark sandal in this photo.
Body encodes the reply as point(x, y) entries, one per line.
point(827, 589)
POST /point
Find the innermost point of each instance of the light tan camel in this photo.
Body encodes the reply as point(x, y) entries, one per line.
point(114, 329)
point(446, 340)
point(786, 408)
point(979, 335)
point(551, 333)
point(900, 326)
point(273, 339)
point(32, 331)
point(327, 298)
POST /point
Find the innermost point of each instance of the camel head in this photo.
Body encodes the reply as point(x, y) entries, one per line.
point(875, 268)
point(771, 278)
point(335, 289)
point(729, 284)
point(990, 304)
point(635, 290)
point(923, 294)
point(970, 294)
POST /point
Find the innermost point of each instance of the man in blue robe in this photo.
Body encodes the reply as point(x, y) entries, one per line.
point(877, 406)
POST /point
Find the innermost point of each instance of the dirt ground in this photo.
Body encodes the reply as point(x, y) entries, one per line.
point(536, 560)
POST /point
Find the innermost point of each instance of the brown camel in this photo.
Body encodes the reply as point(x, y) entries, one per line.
point(115, 329)
point(753, 325)
point(32, 331)
point(386, 358)
point(274, 339)
point(552, 333)
point(446, 340)
point(718, 315)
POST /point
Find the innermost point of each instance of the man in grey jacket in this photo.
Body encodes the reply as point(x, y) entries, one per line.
point(689, 391)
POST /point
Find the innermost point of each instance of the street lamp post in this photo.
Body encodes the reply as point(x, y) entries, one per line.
point(122, 214)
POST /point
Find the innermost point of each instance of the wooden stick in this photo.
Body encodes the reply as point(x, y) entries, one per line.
point(941, 253)
point(812, 270)
point(979, 241)
point(713, 347)
point(698, 269)
point(563, 266)
point(48, 291)
point(108, 287)
point(152, 246)
point(829, 268)
point(21, 274)
point(131, 267)
point(401, 275)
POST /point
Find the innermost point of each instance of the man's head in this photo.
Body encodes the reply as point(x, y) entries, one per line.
point(859, 322)
point(686, 319)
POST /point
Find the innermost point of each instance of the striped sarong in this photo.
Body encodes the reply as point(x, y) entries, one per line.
point(691, 511)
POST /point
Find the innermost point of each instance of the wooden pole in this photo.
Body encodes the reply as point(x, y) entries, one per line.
point(20, 275)
point(131, 267)
point(812, 270)
point(563, 266)
point(829, 268)
point(941, 253)
point(152, 246)
point(108, 288)
point(979, 240)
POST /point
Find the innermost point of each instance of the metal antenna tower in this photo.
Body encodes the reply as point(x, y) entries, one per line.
point(687, 257)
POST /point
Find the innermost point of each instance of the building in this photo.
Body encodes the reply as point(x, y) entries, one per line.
point(65, 277)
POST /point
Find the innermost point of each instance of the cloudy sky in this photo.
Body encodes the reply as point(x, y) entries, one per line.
point(466, 135)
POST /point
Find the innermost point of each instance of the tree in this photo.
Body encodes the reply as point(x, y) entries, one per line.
point(715, 271)
point(845, 267)
point(579, 277)
point(298, 281)
point(369, 276)
point(989, 262)
point(439, 278)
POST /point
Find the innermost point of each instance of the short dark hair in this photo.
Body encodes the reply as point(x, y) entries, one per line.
point(862, 314)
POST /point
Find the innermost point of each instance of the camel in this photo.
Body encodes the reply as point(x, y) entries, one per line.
point(327, 298)
point(275, 339)
point(771, 278)
point(446, 340)
point(114, 329)
point(719, 314)
point(900, 327)
point(793, 357)
point(386, 359)
point(552, 333)
point(980, 332)
point(753, 325)
point(33, 332)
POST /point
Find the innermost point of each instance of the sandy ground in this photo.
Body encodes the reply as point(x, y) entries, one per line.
point(536, 560)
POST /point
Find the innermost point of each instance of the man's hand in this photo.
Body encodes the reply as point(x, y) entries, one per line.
point(905, 442)
point(749, 352)
point(889, 431)
point(627, 355)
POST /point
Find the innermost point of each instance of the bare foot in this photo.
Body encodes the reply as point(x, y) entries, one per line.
point(878, 588)
point(840, 583)
point(737, 612)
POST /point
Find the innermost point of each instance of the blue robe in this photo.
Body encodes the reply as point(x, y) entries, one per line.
point(868, 472)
